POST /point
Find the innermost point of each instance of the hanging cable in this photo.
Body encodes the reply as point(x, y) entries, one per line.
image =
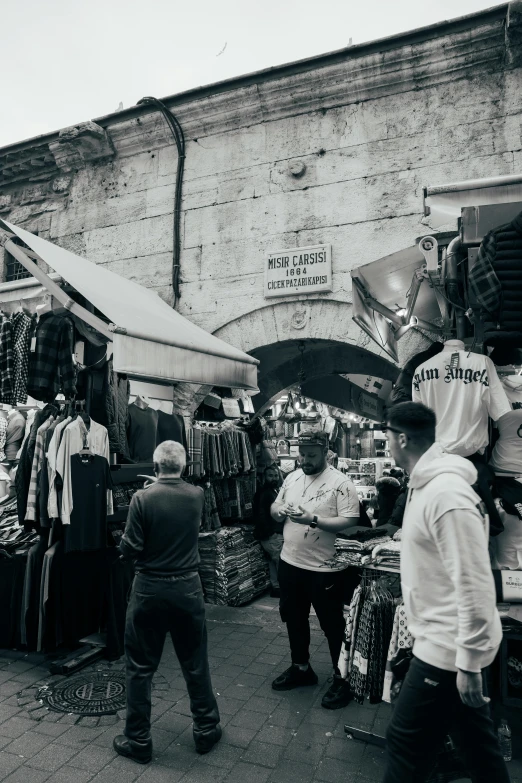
point(179, 138)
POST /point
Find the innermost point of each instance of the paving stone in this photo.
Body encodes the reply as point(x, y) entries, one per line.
point(249, 719)
point(92, 758)
point(308, 733)
point(229, 669)
point(156, 774)
point(345, 749)
point(9, 689)
point(69, 775)
point(229, 706)
point(263, 754)
point(53, 757)
point(27, 775)
point(332, 770)
point(238, 736)
point(79, 736)
point(105, 739)
point(248, 772)
point(306, 752)
point(21, 666)
point(286, 717)
point(127, 775)
point(373, 762)
point(8, 763)
point(263, 669)
point(202, 773)
point(173, 722)
point(250, 680)
point(238, 691)
point(178, 757)
point(263, 703)
point(7, 711)
point(16, 726)
point(50, 729)
point(222, 755)
point(291, 771)
point(275, 735)
point(28, 744)
point(327, 718)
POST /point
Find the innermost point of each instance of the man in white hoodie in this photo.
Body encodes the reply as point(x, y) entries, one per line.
point(449, 597)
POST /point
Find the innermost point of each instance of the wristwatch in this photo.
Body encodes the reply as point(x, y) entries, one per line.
point(314, 522)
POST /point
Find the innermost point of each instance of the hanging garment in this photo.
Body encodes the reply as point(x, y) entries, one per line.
point(6, 362)
point(14, 435)
point(462, 397)
point(171, 427)
point(74, 437)
point(403, 387)
point(509, 491)
point(352, 618)
point(401, 640)
point(495, 280)
point(3, 437)
point(506, 458)
point(32, 497)
point(513, 387)
point(23, 327)
point(109, 406)
point(23, 472)
point(90, 484)
point(195, 455)
point(51, 365)
point(142, 428)
point(52, 454)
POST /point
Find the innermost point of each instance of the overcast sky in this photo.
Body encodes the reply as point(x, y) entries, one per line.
point(67, 61)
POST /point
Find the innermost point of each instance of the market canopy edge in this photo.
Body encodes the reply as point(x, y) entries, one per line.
point(150, 339)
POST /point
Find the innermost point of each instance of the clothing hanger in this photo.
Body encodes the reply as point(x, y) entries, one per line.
point(46, 306)
point(142, 401)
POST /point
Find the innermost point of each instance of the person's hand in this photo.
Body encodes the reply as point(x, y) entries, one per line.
point(301, 516)
point(469, 686)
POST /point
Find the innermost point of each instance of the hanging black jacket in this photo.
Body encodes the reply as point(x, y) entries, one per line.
point(500, 263)
point(402, 391)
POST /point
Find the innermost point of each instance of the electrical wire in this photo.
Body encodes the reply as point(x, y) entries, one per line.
point(179, 138)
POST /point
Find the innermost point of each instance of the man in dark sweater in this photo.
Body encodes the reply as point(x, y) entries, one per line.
point(161, 535)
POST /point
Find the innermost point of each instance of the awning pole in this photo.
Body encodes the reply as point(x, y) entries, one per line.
point(19, 253)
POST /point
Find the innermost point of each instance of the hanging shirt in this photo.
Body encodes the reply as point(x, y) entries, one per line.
point(462, 398)
point(3, 436)
point(52, 454)
point(73, 439)
point(31, 514)
point(142, 429)
point(14, 435)
point(52, 367)
point(171, 427)
point(6, 362)
point(513, 388)
point(23, 327)
point(507, 454)
point(90, 482)
point(327, 494)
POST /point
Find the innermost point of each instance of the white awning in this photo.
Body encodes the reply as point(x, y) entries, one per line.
point(444, 202)
point(150, 339)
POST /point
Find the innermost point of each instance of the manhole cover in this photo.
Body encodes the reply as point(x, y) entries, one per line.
point(93, 693)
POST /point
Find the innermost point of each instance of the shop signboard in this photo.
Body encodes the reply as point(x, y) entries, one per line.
point(300, 270)
point(369, 405)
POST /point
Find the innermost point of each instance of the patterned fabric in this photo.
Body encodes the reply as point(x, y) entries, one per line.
point(210, 519)
point(38, 458)
point(6, 362)
point(3, 433)
point(194, 452)
point(51, 366)
point(483, 280)
point(346, 656)
point(22, 330)
point(401, 639)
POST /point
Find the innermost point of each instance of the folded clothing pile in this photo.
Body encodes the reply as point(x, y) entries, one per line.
point(387, 554)
point(233, 567)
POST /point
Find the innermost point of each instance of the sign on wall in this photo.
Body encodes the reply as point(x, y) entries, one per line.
point(301, 270)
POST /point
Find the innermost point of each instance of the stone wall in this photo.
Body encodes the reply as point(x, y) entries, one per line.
point(333, 150)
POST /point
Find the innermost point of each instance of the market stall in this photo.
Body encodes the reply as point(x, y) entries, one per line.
point(93, 370)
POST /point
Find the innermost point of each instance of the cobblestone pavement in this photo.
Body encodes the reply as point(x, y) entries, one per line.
point(267, 736)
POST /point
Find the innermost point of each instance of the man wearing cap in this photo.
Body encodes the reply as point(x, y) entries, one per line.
point(315, 503)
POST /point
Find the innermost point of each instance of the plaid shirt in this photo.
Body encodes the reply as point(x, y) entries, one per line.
point(483, 280)
point(6, 362)
point(3, 436)
point(51, 366)
point(22, 326)
point(39, 453)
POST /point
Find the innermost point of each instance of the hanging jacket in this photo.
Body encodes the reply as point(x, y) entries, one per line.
point(496, 280)
point(402, 390)
point(51, 365)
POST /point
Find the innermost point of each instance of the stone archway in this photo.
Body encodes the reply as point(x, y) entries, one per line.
point(334, 344)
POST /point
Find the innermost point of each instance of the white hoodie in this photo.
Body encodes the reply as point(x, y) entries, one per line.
point(447, 583)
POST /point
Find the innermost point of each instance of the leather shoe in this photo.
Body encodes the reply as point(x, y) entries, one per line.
point(294, 677)
point(338, 694)
point(205, 742)
point(133, 750)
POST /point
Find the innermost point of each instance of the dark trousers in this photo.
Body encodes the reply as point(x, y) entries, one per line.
point(427, 709)
point(299, 591)
point(157, 607)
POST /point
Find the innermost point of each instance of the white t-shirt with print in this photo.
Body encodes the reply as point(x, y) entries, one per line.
point(326, 494)
point(506, 458)
point(462, 397)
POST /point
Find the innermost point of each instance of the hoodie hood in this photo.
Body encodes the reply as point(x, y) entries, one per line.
point(437, 461)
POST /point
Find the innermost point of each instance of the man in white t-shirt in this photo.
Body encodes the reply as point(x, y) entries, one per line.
point(315, 503)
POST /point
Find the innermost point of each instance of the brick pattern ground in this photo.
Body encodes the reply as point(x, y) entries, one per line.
point(268, 737)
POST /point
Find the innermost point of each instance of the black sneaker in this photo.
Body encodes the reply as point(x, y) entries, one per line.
point(338, 694)
point(294, 677)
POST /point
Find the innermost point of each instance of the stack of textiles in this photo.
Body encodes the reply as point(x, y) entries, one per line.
point(371, 643)
point(387, 554)
point(233, 568)
point(219, 453)
point(353, 552)
point(123, 493)
point(13, 537)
